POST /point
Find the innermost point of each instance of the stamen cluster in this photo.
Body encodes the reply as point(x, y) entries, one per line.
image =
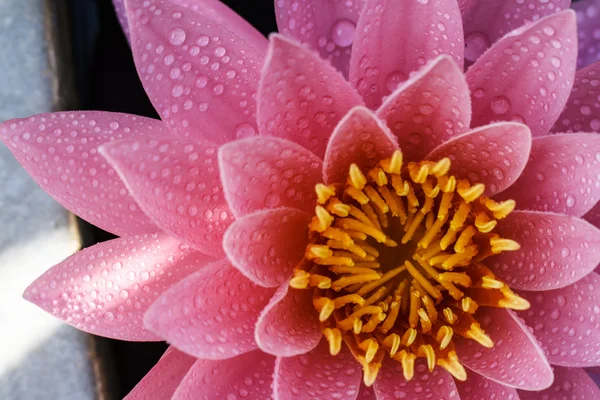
point(395, 261)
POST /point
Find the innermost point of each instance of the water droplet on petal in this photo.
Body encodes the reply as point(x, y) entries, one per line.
point(476, 43)
point(342, 32)
point(177, 36)
point(500, 105)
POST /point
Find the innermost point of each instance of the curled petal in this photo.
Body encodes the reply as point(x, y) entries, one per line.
point(560, 176)
point(201, 76)
point(556, 250)
point(527, 75)
point(418, 112)
point(476, 387)
point(500, 149)
point(176, 184)
point(395, 38)
point(267, 245)
point(59, 150)
point(249, 375)
point(318, 375)
point(106, 289)
point(360, 138)
point(582, 112)
point(164, 378)
point(587, 30)
point(265, 172)
point(326, 26)
point(122, 16)
point(430, 385)
point(487, 21)
point(301, 97)
point(210, 314)
point(516, 360)
point(289, 325)
point(569, 383)
point(565, 321)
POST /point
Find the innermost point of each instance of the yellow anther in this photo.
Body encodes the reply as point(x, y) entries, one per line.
point(460, 216)
point(447, 183)
point(324, 193)
point(334, 261)
point(476, 333)
point(392, 343)
point(441, 167)
point(449, 316)
point(469, 305)
point(502, 209)
point(324, 306)
point(430, 190)
point(356, 326)
point(426, 350)
point(347, 299)
point(322, 282)
point(490, 283)
point(418, 173)
point(300, 280)
point(356, 177)
point(453, 366)
point(408, 363)
point(430, 308)
point(338, 208)
point(370, 346)
point(400, 187)
point(339, 235)
point(444, 336)
point(500, 245)
point(317, 251)
point(370, 372)
point(376, 199)
point(334, 338)
point(425, 321)
point(484, 223)
point(378, 176)
point(469, 193)
point(357, 195)
point(409, 337)
point(464, 239)
point(512, 300)
point(393, 165)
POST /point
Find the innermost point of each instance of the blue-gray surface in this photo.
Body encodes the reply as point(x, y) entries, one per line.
point(40, 358)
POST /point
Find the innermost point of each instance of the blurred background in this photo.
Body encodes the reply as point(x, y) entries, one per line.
point(64, 55)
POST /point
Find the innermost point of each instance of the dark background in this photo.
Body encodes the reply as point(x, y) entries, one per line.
point(106, 80)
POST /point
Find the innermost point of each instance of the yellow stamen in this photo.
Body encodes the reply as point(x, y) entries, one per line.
point(334, 337)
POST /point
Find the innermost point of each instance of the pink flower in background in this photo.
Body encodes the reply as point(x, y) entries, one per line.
point(285, 228)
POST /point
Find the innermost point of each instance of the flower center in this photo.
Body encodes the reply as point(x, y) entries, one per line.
point(395, 264)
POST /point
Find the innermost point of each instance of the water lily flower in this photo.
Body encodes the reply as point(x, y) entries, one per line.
point(411, 232)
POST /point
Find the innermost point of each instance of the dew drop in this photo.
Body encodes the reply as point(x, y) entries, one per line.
point(342, 32)
point(500, 105)
point(177, 36)
point(476, 43)
point(244, 130)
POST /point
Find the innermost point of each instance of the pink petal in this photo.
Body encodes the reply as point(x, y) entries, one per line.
point(301, 97)
point(556, 250)
point(162, 380)
point(177, 184)
point(527, 75)
point(264, 172)
point(569, 383)
point(122, 16)
point(395, 38)
point(516, 360)
point(494, 155)
point(60, 151)
point(249, 376)
point(267, 245)
point(390, 383)
point(487, 21)
point(326, 26)
point(289, 324)
point(588, 12)
point(107, 288)
point(200, 76)
point(360, 138)
point(428, 109)
point(566, 322)
point(210, 314)
point(227, 19)
point(561, 175)
point(317, 375)
point(476, 387)
point(582, 113)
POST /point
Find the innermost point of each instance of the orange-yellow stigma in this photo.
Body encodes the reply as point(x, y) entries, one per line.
point(396, 264)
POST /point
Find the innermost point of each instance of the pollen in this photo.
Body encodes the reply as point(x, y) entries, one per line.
point(396, 264)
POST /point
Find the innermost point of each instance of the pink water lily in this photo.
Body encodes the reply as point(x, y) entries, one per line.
point(284, 228)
